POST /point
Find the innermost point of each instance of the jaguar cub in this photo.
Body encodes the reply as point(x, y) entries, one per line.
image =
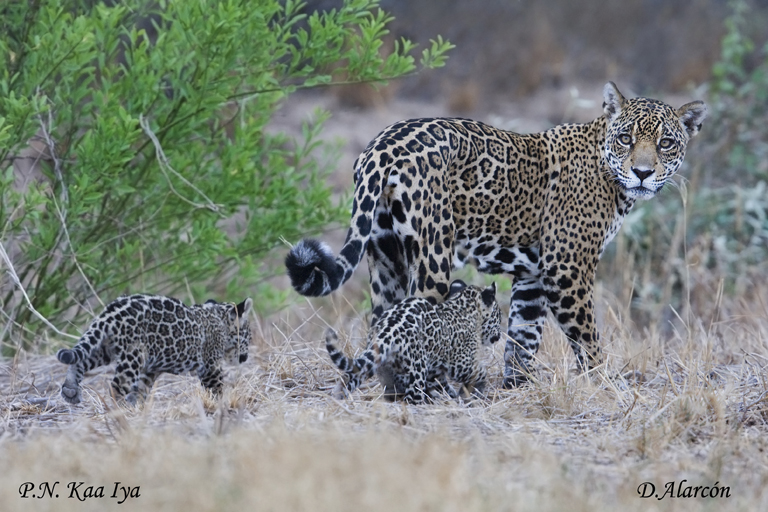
point(416, 346)
point(148, 335)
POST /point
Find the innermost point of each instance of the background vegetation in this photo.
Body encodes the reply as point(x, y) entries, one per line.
point(711, 236)
point(149, 121)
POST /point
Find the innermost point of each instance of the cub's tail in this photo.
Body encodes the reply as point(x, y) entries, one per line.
point(356, 371)
point(91, 339)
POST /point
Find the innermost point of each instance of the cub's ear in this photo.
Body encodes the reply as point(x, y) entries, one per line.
point(489, 294)
point(691, 116)
point(456, 287)
point(244, 308)
point(613, 101)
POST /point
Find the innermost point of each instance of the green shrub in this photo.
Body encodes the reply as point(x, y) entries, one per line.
point(739, 100)
point(158, 174)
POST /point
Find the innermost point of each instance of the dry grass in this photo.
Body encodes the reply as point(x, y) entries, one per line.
point(691, 405)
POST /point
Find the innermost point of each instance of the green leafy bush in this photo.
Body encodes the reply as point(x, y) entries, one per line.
point(739, 100)
point(147, 119)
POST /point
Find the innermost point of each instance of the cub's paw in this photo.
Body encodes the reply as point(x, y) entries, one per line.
point(70, 393)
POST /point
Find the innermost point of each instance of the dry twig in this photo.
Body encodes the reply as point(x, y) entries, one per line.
point(162, 160)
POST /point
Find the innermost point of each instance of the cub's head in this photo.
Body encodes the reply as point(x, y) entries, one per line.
point(236, 318)
point(646, 139)
point(485, 299)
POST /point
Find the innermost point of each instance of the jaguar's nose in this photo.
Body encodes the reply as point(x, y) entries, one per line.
point(642, 173)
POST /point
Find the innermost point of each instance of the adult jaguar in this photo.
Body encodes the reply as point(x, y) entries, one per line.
point(434, 194)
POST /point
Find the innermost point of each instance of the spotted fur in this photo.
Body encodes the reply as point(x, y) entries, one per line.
point(416, 346)
point(147, 335)
point(434, 194)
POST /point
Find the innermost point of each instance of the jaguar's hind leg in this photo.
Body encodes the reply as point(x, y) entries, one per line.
point(414, 359)
point(416, 389)
point(129, 364)
point(440, 385)
point(212, 378)
point(437, 382)
point(476, 385)
point(70, 389)
point(388, 271)
point(394, 383)
point(418, 204)
point(397, 386)
point(141, 387)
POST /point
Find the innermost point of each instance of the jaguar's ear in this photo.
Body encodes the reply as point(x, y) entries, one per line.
point(456, 287)
point(244, 308)
point(613, 101)
point(691, 116)
point(489, 294)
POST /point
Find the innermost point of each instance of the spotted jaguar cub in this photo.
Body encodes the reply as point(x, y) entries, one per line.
point(416, 346)
point(148, 335)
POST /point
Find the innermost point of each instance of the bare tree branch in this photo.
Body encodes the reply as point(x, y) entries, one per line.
point(15, 279)
point(163, 161)
point(61, 208)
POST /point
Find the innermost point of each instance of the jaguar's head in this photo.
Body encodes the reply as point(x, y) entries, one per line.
point(236, 318)
point(240, 330)
point(646, 140)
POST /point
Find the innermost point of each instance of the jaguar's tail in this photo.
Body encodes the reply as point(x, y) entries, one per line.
point(356, 371)
point(92, 338)
point(312, 267)
point(80, 352)
point(313, 270)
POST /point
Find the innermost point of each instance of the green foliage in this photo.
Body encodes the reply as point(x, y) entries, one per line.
point(148, 120)
point(739, 99)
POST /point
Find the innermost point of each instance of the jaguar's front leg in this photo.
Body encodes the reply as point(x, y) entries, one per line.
point(212, 377)
point(569, 295)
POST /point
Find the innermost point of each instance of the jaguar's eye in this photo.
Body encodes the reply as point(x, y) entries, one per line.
point(665, 143)
point(625, 139)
